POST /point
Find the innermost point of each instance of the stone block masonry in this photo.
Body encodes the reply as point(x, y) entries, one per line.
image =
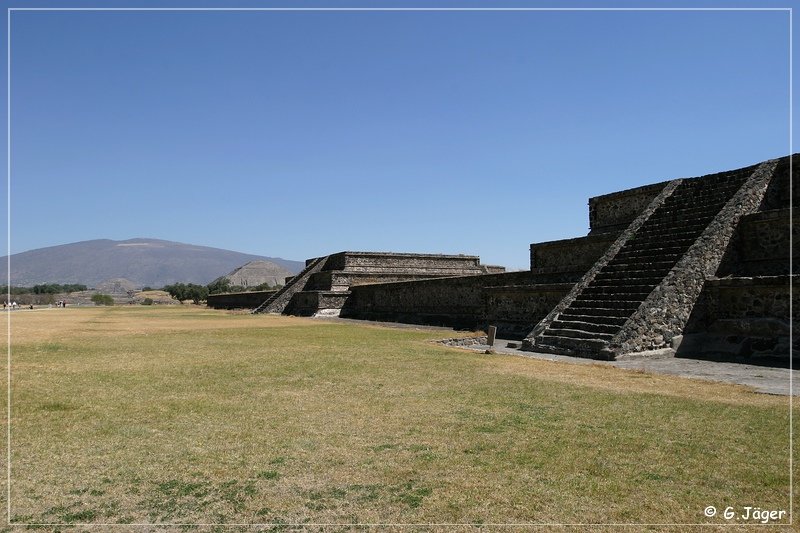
point(761, 245)
point(516, 309)
point(238, 300)
point(570, 255)
point(744, 317)
point(468, 302)
point(614, 212)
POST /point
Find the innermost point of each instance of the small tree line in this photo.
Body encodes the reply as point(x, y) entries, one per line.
point(43, 293)
point(44, 288)
point(199, 293)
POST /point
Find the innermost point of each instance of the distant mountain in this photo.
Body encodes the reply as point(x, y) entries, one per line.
point(145, 262)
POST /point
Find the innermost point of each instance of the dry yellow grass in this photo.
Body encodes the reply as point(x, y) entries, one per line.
point(76, 322)
point(185, 415)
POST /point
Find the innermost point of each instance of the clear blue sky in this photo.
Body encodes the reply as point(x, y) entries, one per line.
point(297, 134)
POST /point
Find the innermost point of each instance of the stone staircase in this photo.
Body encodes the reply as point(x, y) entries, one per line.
point(277, 302)
point(587, 325)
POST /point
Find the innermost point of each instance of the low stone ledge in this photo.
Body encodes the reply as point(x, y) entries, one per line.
point(616, 210)
point(576, 254)
point(465, 341)
point(238, 300)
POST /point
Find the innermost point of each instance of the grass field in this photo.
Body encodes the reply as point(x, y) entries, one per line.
point(187, 415)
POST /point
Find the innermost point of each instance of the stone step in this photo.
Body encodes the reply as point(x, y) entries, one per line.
point(552, 343)
point(642, 249)
point(583, 326)
point(648, 256)
point(658, 228)
point(705, 194)
point(665, 241)
point(596, 310)
point(673, 234)
point(675, 229)
point(656, 243)
point(622, 265)
point(692, 205)
point(664, 249)
point(640, 277)
point(733, 176)
point(694, 194)
point(619, 288)
point(613, 301)
point(626, 282)
point(686, 211)
point(683, 216)
point(578, 334)
point(594, 319)
point(707, 203)
point(710, 184)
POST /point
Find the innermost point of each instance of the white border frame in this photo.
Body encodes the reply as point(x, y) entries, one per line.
point(383, 9)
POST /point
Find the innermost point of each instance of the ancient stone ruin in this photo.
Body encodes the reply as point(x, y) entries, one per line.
point(324, 286)
point(698, 264)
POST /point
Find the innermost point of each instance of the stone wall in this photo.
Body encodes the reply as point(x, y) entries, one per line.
point(326, 289)
point(576, 255)
point(744, 316)
point(238, 300)
point(615, 211)
point(311, 303)
point(403, 262)
point(456, 302)
point(342, 280)
point(762, 243)
point(516, 309)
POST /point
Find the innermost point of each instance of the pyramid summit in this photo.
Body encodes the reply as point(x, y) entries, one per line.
point(258, 272)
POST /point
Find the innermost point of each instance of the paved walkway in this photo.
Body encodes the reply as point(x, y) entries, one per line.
point(769, 380)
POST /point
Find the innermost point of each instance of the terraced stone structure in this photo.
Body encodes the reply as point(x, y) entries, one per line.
point(324, 286)
point(641, 294)
point(699, 264)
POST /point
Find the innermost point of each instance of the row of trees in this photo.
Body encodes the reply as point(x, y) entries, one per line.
point(198, 293)
point(187, 291)
point(179, 291)
point(44, 288)
point(223, 285)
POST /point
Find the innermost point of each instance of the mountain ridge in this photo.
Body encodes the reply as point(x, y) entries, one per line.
point(143, 261)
